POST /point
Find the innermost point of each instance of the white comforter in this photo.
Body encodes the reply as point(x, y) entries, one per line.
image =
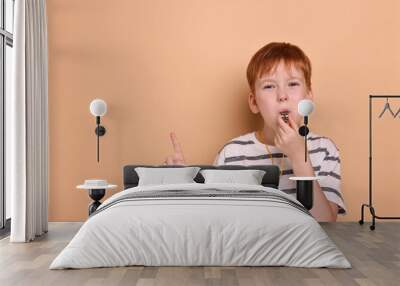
point(200, 231)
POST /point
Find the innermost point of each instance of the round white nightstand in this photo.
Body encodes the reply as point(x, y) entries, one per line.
point(97, 190)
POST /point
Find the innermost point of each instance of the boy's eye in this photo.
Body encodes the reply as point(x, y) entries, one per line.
point(293, 83)
point(268, 86)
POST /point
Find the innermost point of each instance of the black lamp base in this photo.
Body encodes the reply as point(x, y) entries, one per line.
point(305, 193)
point(96, 195)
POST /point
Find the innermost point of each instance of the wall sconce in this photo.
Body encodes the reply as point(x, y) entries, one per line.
point(305, 107)
point(98, 108)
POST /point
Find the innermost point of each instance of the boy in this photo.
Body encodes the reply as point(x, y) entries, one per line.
point(279, 76)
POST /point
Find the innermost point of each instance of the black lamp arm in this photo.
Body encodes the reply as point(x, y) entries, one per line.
point(100, 131)
point(303, 131)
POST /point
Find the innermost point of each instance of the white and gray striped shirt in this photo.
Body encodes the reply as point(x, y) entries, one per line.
point(324, 155)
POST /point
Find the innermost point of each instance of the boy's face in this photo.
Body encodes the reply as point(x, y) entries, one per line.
point(279, 91)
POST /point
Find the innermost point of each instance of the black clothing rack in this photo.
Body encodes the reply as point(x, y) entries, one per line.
point(370, 205)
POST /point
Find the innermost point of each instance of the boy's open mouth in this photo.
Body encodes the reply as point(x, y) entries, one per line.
point(285, 116)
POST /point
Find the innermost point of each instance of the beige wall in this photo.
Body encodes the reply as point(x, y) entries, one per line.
point(180, 65)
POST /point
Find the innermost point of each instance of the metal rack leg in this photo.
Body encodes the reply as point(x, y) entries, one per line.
point(361, 221)
point(372, 210)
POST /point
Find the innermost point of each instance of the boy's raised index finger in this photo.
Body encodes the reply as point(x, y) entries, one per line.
point(175, 143)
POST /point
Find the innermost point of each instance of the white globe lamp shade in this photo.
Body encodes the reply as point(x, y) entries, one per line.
point(98, 107)
point(305, 107)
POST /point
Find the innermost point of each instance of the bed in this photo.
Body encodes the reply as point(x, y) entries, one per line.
point(201, 224)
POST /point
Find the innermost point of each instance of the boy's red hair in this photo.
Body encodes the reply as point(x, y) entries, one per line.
point(269, 56)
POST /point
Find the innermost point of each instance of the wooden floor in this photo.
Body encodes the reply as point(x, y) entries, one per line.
point(375, 257)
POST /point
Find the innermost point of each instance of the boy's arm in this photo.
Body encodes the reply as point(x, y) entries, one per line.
point(289, 141)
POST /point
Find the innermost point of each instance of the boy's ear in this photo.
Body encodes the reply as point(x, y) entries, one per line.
point(253, 103)
point(311, 95)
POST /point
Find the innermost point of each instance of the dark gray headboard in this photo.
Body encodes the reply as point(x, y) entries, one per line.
point(270, 179)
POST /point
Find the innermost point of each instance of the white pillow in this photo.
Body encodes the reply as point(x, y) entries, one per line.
point(162, 176)
point(248, 177)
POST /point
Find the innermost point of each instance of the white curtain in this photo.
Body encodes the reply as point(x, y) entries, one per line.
point(27, 123)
